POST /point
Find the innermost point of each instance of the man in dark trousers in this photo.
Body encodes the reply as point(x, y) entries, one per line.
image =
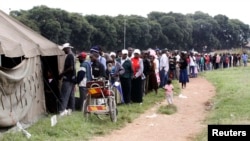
point(83, 76)
point(126, 77)
point(68, 82)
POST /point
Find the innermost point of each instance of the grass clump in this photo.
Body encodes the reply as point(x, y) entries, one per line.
point(167, 109)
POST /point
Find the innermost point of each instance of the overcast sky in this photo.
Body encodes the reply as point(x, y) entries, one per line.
point(234, 9)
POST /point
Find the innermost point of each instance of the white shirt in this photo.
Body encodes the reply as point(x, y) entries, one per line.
point(177, 58)
point(164, 62)
point(192, 60)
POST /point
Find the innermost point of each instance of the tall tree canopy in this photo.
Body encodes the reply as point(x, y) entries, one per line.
point(174, 31)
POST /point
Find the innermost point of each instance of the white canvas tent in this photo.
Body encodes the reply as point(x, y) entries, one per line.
point(22, 86)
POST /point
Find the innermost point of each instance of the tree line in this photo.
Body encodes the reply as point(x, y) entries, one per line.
point(175, 31)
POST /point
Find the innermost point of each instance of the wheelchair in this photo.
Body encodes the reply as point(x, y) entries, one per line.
point(100, 100)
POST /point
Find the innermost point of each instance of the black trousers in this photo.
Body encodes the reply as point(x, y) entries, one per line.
point(126, 89)
point(136, 90)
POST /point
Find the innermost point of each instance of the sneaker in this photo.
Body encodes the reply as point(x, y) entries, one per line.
point(65, 112)
point(69, 112)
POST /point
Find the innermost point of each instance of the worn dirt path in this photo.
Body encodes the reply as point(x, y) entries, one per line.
point(181, 126)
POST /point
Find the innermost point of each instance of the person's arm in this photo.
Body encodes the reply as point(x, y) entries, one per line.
point(102, 71)
point(80, 76)
point(121, 70)
point(103, 61)
point(70, 68)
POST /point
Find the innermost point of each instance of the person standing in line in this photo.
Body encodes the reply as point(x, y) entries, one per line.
point(183, 78)
point(244, 59)
point(164, 67)
point(68, 77)
point(146, 71)
point(192, 65)
point(126, 77)
point(172, 66)
point(137, 66)
point(177, 56)
point(169, 92)
point(98, 70)
point(83, 76)
point(152, 85)
point(98, 51)
point(113, 71)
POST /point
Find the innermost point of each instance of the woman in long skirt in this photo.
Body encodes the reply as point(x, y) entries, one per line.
point(137, 66)
point(152, 85)
point(183, 79)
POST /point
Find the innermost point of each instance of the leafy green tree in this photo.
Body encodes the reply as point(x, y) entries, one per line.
point(163, 30)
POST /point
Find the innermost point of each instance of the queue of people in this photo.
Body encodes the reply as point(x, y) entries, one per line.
point(139, 72)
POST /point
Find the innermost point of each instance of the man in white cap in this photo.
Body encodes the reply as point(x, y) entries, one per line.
point(68, 77)
point(126, 77)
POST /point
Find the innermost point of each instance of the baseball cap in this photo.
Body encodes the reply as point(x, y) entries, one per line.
point(82, 55)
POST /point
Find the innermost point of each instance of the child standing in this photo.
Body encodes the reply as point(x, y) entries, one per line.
point(169, 92)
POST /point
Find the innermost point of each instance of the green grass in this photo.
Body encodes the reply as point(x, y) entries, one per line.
point(78, 128)
point(232, 100)
point(167, 109)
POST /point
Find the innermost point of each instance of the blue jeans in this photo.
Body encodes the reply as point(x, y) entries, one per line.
point(67, 96)
point(163, 77)
point(192, 71)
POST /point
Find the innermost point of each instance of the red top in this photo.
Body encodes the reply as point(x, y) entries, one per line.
point(135, 64)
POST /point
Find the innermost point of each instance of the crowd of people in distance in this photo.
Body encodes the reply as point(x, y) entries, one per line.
point(138, 71)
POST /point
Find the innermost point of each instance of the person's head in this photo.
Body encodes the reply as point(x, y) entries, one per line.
point(118, 53)
point(112, 55)
point(137, 53)
point(145, 54)
point(130, 51)
point(66, 48)
point(82, 56)
point(191, 54)
point(151, 58)
point(49, 74)
point(109, 64)
point(169, 81)
point(124, 54)
point(94, 56)
point(183, 55)
point(95, 50)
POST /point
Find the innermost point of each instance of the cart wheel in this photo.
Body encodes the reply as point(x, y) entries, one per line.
point(84, 108)
point(112, 109)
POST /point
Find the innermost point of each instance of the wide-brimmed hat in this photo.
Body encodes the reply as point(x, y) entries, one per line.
point(66, 45)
